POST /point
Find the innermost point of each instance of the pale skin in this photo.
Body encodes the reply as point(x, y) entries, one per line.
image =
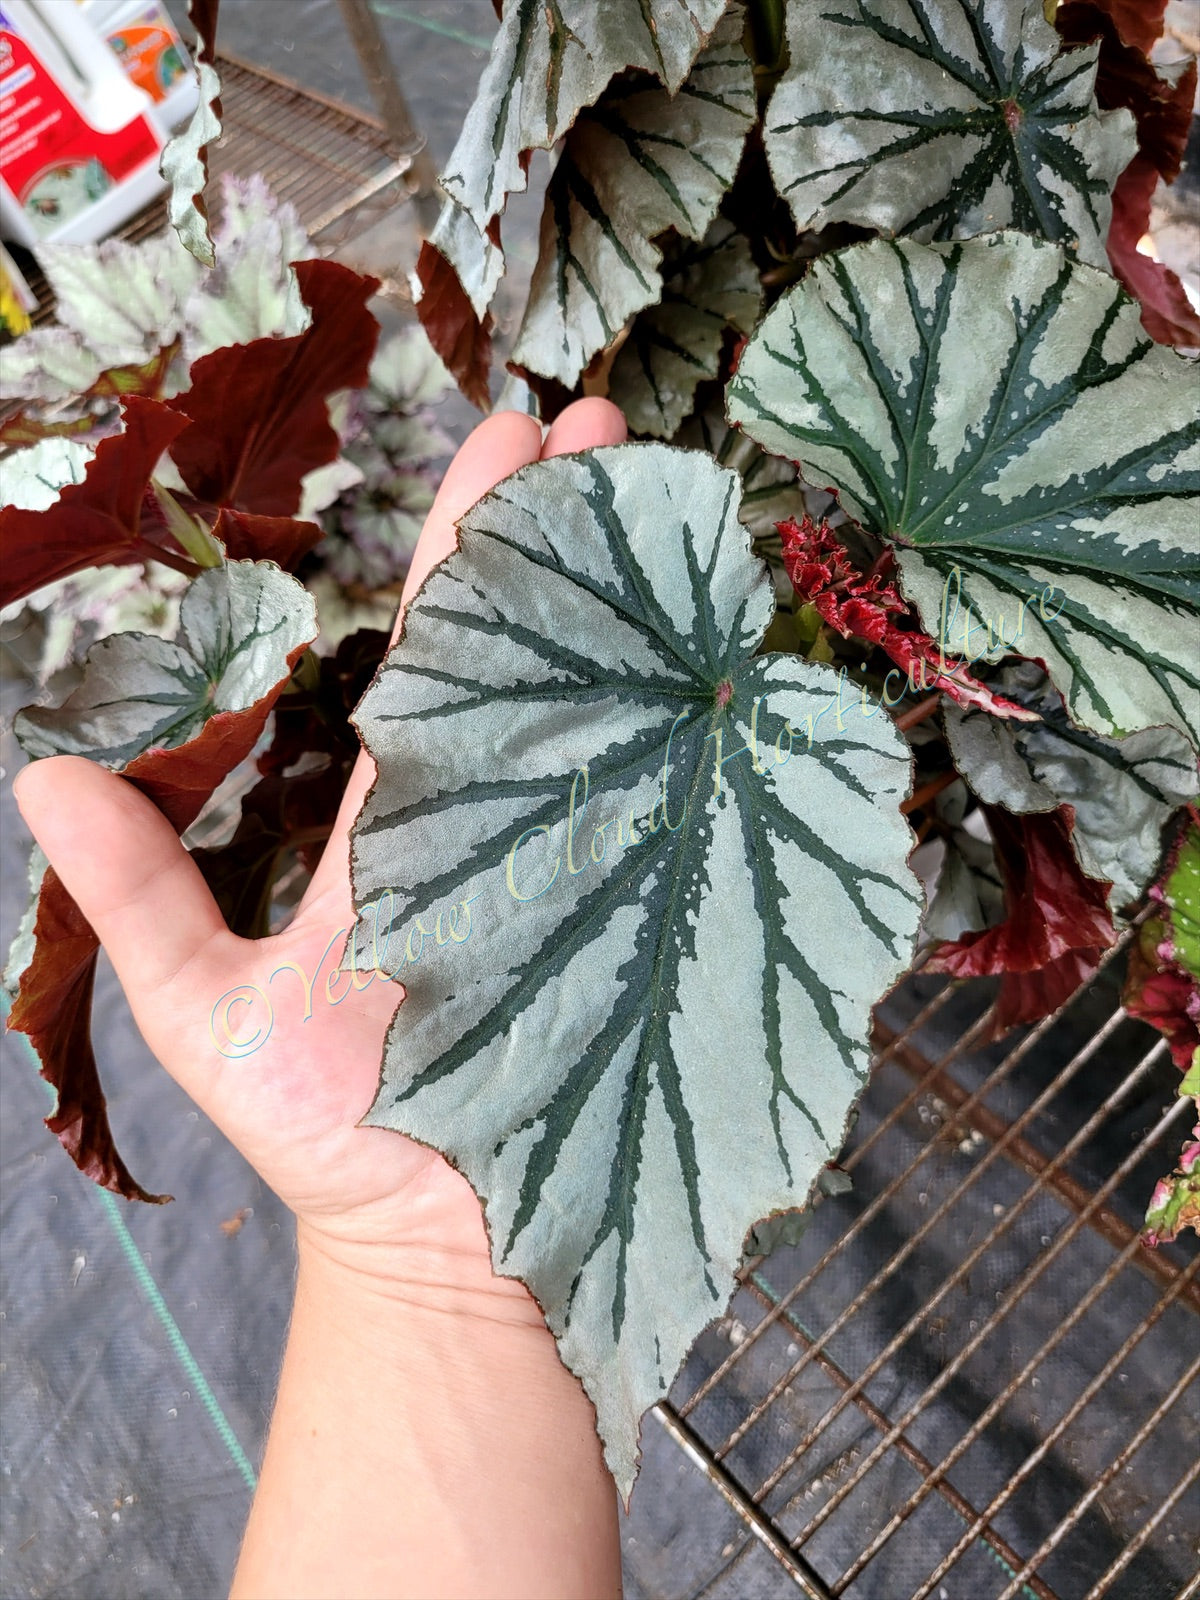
point(426, 1441)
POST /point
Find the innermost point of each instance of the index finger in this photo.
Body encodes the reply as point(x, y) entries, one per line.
point(498, 447)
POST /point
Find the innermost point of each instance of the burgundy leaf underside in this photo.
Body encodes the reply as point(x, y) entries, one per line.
point(1057, 926)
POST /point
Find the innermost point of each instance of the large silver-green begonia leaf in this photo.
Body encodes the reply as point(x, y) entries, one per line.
point(943, 119)
point(549, 59)
point(623, 1021)
point(240, 626)
point(995, 409)
point(709, 288)
point(1123, 791)
point(639, 162)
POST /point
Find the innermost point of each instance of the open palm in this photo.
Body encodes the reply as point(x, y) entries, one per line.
point(201, 995)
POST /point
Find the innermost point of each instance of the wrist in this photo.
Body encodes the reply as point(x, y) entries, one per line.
point(377, 1282)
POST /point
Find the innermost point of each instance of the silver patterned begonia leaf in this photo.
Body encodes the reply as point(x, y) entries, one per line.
point(549, 59)
point(640, 161)
point(1122, 791)
point(594, 857)
point(995, 410)
point(710, 288)
point(942, 119)
point(241, 626)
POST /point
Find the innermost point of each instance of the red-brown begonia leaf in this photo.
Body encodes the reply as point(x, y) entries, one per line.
point(227, 678)
point(97, 522)
point(461, 339)
point(294, 811)
point(1137, 23)
point(867, 605)
point(1057, 926)
point(258, 411)
point(286, 540)
point(54, 1008)
point(1168, 316)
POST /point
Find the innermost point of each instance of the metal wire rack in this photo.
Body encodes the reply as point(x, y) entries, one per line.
point(970, 1379)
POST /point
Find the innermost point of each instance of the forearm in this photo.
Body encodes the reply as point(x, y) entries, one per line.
point(426, 1442)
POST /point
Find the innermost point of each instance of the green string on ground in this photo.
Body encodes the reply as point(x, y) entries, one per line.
point(447, 30)
point(149, 1287)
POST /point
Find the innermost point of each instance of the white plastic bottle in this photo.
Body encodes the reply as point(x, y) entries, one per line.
point(151, 53)
point(79, 148)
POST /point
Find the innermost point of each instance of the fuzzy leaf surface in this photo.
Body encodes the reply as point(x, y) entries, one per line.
point(637, 1045)
point(639, 162)
point(943, 119)
point(995, 410)
point(710, 288)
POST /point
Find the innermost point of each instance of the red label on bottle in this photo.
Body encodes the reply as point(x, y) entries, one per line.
point(54, 161)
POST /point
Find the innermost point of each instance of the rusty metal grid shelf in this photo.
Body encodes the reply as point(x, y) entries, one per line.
point(970, 1381)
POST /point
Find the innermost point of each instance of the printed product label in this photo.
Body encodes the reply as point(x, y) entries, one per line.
point(150, 54)
point(53, 160)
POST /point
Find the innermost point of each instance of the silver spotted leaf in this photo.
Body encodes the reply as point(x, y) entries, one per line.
point(994, 409)
point(593, 857)
point(549, 59)
point(640, 161)
point(1122, 791)
point(710, 289)
point(943, 119)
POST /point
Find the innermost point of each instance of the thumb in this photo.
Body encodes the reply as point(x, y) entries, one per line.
point(127, 870)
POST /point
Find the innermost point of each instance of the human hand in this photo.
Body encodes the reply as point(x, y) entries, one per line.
point(386, 1208)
